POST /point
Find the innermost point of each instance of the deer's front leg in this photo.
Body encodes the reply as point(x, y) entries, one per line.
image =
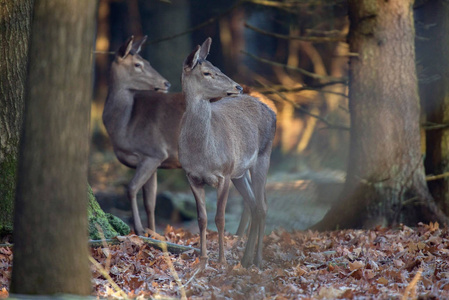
point(198, 192)
point(222, 198)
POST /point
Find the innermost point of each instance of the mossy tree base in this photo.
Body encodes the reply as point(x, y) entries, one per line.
point(101, 224)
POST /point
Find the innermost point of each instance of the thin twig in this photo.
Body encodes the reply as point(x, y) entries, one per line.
point(305, 111)
point(434, 126)
point(300, 70)
point(436, 177)
point(315, 87)
point(304, 88)
point(274, 3)
point(192, 29)
point(103, 52)
point(173, 271)
point(313, 39)
point(192, 277)
point(410, 290)
point(199, 26)
point(107, 276)
point(105, 246)
point(402, 191)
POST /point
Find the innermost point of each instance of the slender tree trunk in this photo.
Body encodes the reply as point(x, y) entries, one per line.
point(15, 18)
point(385, 181)
point(50, 220)
point(433, 55)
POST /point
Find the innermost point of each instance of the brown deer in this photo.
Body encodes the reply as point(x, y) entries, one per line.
point(224, 141)
point(143, 122)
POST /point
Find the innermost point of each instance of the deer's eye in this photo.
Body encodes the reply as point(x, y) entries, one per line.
point(206, 74)
point(137, 65)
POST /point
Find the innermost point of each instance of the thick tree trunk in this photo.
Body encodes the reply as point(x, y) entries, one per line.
point(50, 220)
point(15, 18)
point(433, 54)
point(385, 181)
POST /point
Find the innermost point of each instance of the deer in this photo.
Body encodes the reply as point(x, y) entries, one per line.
point(143, 122)
point(224, 141)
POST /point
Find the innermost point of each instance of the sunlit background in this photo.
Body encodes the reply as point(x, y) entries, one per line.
point(252, 43)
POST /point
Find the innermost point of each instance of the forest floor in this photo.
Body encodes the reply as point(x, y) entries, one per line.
point(401, 263)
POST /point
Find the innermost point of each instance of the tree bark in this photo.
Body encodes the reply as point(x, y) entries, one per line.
point(50, 220)
point(385, 181)
point(432, 52)
point(15, 18)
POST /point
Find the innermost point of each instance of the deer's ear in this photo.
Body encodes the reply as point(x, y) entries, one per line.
point(136, 47)
point(192, 60)
point(124, 49)
point(205, 47)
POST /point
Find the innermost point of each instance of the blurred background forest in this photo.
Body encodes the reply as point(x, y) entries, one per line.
point(293, 53)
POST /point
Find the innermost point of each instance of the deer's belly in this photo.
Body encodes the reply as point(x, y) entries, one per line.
point(129, 159)
point(199, 179)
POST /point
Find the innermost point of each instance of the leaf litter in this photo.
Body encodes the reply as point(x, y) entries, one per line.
point(383, 263)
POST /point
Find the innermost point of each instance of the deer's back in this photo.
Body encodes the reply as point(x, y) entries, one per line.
point(249, 124)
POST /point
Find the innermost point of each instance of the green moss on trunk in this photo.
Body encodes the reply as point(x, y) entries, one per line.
point(110, 225)
point(8, 168)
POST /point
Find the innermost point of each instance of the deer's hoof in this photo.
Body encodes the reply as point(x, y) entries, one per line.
point(140, 231)
point(258, 262)
point(222, 260)
point(204, 260)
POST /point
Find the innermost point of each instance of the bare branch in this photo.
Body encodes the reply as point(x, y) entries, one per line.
point(199, 26)
point(302, 71)
point(274, 3)
point(317, 88)
point(305, 111)
point(436, 177)
point(313, 39)
point(434, 126)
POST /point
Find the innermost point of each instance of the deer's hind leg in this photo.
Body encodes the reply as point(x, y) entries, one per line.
point(200, 198)
point(222, 198)
point(259, 178)
point(245, 219)
point(243, 185)
point(149, 199)
point(143, 173)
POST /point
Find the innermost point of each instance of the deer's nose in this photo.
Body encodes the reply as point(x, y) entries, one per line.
point(239, 88)
point(167, 84)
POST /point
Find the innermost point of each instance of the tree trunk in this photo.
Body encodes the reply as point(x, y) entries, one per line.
point(433, 56)
point(50, 220)
point(385, 181)
point(15, 16)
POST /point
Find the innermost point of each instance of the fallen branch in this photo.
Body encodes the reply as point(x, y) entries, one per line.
point(161, 245)
point(171, 247)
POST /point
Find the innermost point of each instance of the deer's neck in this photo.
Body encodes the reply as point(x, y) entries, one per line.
point(118, 109)
point(197, 123)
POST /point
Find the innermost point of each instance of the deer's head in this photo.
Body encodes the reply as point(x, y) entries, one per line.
point(203, 79)
point(134, 72)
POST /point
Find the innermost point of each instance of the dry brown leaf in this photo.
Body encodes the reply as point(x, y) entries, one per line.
point(356, 265)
